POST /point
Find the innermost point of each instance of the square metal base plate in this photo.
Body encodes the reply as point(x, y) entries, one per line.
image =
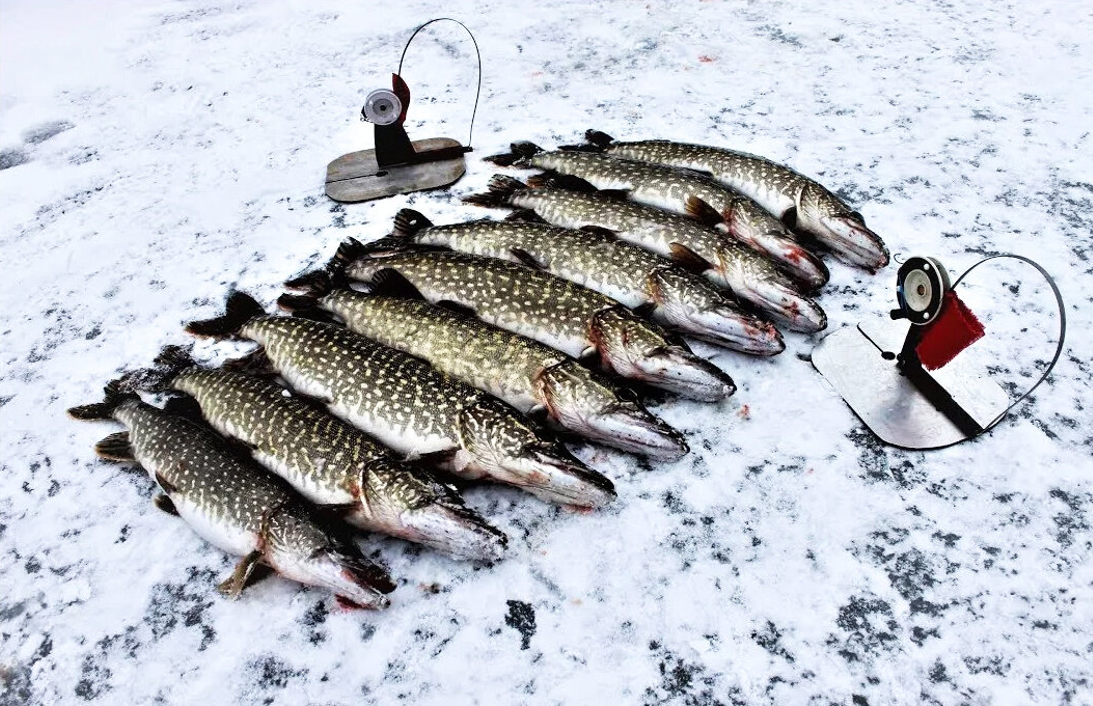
point(860, 363)
point(358, 177)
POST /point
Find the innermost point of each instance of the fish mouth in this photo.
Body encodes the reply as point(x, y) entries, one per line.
point(679, 371)
point(797, 261)
point(351, 577)
point(730, 328)
point(456, 530)
point(629, 427)
point(553, 474)
point(788, 306)
point(852, 242)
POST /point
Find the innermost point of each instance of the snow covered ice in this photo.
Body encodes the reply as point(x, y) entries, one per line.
point(155, 155)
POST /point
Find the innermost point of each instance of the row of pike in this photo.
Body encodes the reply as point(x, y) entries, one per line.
point(474, 351)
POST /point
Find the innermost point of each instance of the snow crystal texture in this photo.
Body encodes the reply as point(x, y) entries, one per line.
point(155, 155)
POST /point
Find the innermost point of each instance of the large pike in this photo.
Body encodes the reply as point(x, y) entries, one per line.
point(411, 407)
point(671, 295)
point(800, 202)
point(516, 369)
point(549, 309)
point(235, 505)
point(328, 461)
point(682, 191)
point(750, 276)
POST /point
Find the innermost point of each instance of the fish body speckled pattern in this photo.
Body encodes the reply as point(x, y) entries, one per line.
point(559, 313)
point(790, 196)
point(638, 278)
point(411, 407)
point(521, 371)
point(682, 191)
point(333, 464)
point(234, 505)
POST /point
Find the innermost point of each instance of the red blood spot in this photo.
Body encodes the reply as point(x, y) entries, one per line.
point(706, 58)
point(745, 412)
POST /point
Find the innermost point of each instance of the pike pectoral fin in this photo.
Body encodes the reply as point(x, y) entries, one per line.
point(524, 215)
point(116, 448)
point(688, 258)
point(163, 502)
point(789, 218)
point(168, 486)
point(703, 212)
point(232, 586)
point(254, 363)
point(645, 309)
point(526, 258)
point(599, 230)
point(435, 459)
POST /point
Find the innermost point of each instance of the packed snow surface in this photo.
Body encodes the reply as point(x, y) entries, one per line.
point(155, 155)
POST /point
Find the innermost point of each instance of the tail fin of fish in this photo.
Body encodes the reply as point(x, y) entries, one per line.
point(299, 303)
point(408, 223)
point(518, 155)
point(168, 365)
point(500, 188)
point(113, 396)
point(238, 311)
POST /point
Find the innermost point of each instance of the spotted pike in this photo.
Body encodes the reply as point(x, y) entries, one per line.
point(328, 461)
point(669, 294)
point(525, 373)
point(682, 191)
point(797, 200)
point(411, 407)
point(549, 309)
point(752, 277)
point(235, 505)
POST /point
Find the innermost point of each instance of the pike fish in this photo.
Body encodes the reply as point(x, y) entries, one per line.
point(329, 462)
point(669, 294)
point(522, 372)
point(549, 309)
point(800, 202)
point(411, 407)
point(235, 505)
point(752, 277)
point(682, 191)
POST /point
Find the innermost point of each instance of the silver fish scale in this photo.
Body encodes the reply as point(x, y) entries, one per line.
point(656, 185)
point(399, 395)
point(226, 491)
point(776, 187)
point(642, 225)
point(521, 299)
point(600, 262)
point(318, 454)
point(503, 363)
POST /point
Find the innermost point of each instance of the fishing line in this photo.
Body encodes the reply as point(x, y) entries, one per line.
point(1062, 326)
point(478, 54)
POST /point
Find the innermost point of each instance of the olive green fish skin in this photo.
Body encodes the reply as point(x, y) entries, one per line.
point(556, 312)
point(332, 463)
point(624, 272)
point(777, 188)
point(750, 276)
point(518, 370)
point(417, 410)
point(670, 188)
point(237, 507)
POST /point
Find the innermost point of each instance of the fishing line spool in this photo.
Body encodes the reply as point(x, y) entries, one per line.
point(902, 375)
point(397, 165)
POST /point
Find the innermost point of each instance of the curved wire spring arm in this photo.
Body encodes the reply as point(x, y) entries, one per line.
point(1062, 326)
point(478, 93)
